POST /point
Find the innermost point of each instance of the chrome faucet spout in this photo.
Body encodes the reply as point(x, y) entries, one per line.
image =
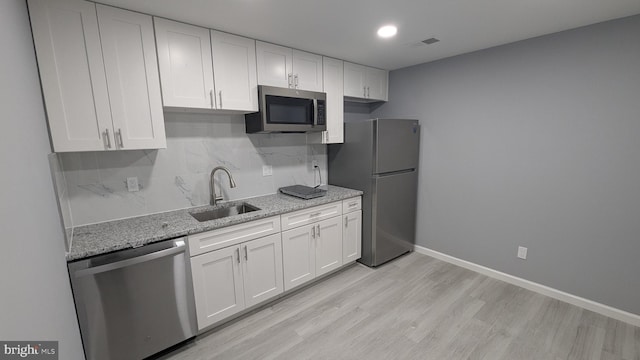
point(212, 187)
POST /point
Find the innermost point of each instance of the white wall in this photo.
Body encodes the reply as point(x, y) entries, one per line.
point(535, 143)
point(36, 302)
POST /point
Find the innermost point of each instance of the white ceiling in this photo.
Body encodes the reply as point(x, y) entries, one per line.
point(346, 29)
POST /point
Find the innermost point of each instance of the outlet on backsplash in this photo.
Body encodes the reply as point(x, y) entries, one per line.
point(132, 184)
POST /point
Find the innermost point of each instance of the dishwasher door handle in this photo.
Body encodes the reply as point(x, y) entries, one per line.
point(178, 248)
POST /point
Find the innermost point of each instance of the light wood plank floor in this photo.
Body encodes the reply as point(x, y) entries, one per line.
point(417, 307)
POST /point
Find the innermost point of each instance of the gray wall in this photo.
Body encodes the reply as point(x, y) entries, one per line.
point(36, 297)
point(535, 143)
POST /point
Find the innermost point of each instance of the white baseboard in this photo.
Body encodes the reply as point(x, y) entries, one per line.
point(599, 308)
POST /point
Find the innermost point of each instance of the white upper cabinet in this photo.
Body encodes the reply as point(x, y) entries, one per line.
point(100, 83)
point(275, 64)
point(191, 58)
point(234, 64)
point(354, 80)
point(366, 83)
point(186, 67)
point(129, 53)
point(307, 71)
point(333, 80)
point(377, 84)
point(67, 43)
point(285, 67)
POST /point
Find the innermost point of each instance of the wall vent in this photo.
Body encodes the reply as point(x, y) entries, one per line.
point(430, 41)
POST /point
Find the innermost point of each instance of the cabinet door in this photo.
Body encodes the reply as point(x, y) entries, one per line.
point(328, 245)
point(262, 271)
point(274, 64)
point(71, 68)
point(234, 66)
point(217, 285)
point(354, 80)
point(377, 84)
point(307, 71)
point(186, 68)
point(333, 81)
point(298, 256)
point(352, 237)
point(129, 52)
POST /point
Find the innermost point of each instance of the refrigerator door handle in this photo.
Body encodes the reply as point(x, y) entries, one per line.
point(391, 173)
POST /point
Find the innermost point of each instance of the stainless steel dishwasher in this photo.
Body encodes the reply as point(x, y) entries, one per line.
point(134, 303)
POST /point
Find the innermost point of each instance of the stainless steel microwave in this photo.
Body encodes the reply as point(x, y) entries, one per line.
point(287, 110)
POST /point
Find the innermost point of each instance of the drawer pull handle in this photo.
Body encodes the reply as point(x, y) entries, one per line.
point(353, 204)
point(315, 214)
point(238, 254)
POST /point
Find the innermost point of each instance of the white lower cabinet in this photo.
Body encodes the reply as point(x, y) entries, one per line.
point(239, 266)
point(312, 250)
point(262, 269)
point(352, 236)
point(298, 255)
point(217, 285)
point(231, 279)
point(329, 239)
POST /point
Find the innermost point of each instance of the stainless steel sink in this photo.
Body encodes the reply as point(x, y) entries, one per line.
point(224, 211)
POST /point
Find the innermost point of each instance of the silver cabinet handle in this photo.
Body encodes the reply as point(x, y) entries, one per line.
point(238, 254)
point(318, 230)
point(295, 78)
point(120, 138)
point(289, 76)
point(220, 96)
point(346, 221)
point(106, 135)
point(364, 91)
point(246, 253)
point(368, 93)
point(313, 232)
point(314, 214)
point(353, 204)
point(211, 98)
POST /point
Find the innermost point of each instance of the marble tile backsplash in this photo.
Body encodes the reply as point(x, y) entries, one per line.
point(64, 206)
point(178, 177)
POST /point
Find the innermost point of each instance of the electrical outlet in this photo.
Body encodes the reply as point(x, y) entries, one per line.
point(522, 252)
point(314, 163)
point(132, 184)
point(267, 170)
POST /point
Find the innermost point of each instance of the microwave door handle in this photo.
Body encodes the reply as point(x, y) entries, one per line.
point(315, 112)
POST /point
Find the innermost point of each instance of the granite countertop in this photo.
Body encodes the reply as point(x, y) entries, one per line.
point(102, 238)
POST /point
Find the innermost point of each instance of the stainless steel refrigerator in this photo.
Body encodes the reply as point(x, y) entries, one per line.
point(380, 158)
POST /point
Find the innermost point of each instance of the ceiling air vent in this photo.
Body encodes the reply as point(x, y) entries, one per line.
point(430, 41)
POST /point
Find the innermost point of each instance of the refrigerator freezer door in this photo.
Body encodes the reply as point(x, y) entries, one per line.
point(397, 147)
point(393, 215)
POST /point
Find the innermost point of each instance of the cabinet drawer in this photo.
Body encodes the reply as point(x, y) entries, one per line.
point(232, 235)
point(352, 204)
point(311, 215)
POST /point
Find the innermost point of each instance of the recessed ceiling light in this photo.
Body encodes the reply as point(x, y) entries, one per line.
point(387, 31)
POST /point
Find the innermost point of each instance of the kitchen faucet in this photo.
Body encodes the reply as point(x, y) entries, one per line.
point(212, 187)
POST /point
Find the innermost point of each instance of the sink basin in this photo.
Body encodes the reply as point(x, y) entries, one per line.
point(223, 212)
